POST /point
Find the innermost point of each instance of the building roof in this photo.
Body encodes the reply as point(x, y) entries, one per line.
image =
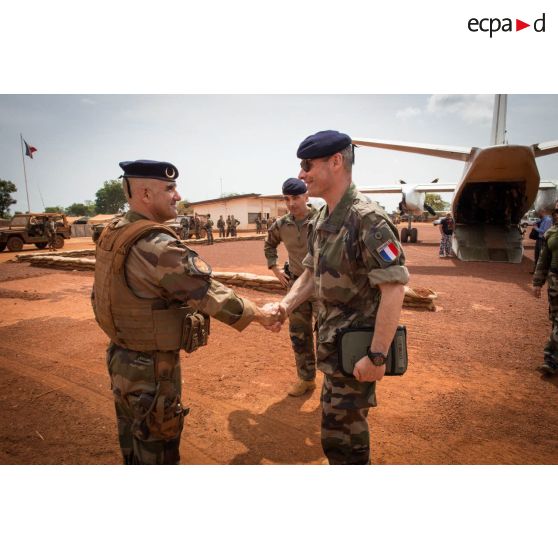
point(227, 198)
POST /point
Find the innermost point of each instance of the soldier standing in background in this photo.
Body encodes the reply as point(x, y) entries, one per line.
point(153, 296)
point(234, 223)
point(355, 267)
point(185, 233)
point(269, 222)
point(209, 228)
point(228, 225)
point(197, 226)
point(546, 271)
point(292, 230)
point(258, 224)
point(221, 226)
point(50, 230)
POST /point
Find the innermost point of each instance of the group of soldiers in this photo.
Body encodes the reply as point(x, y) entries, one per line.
point(227, 227)
point(154, 296)
point(263, 224)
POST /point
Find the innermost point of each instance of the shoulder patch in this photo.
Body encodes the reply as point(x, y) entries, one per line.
point(382, 243)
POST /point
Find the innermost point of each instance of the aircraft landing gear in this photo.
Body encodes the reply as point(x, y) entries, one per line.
point(410, 233)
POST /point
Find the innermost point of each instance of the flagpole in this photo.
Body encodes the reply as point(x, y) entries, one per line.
point(25, 174)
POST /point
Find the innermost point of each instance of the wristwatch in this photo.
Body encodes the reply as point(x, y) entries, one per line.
point(378, 359)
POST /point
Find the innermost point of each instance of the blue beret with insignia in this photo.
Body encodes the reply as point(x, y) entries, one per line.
point(294, 187)
point(144, 168)
point(323, 144)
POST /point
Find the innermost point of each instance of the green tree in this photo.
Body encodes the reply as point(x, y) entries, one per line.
point(54, 209)
point(81, 209)
point(110, 198)
point(230, 194)
point(6, 188)
point(436, 202)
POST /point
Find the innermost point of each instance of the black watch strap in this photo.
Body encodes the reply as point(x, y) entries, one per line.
point(378, 359)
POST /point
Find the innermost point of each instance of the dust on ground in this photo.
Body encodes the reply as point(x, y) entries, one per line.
point(472, 393)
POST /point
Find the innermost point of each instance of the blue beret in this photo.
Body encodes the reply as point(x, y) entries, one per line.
point(323, 144)
point(143, 168)
point(294, 187)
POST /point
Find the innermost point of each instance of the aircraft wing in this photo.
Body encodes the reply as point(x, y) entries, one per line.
point(545, 148)
point(548, 184)
point(396, 189)
point(443, 151)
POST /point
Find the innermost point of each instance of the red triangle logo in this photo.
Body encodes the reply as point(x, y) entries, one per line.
point(519, 25)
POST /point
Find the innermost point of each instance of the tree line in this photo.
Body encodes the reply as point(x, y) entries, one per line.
point(109, 199)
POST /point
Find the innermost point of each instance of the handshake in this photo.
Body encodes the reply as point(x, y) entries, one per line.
point(272, 315)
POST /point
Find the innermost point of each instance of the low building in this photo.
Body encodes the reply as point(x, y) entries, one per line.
point(245, 208)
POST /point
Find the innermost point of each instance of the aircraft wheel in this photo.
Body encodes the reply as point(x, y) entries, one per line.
point(404, 235)
point(414, 235)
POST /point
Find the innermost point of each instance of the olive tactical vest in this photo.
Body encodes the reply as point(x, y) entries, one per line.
point(139, 324)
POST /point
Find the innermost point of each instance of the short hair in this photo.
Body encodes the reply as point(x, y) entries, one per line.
point(348, 154)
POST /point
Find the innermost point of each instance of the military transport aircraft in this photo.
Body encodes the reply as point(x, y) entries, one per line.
point(500, 183)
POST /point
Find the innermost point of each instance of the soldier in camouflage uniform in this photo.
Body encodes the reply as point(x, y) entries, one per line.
point(355, 267)
point(547, 271)
point(221, 226)
point(209, 229)
point(153, 296)
point(292, 230)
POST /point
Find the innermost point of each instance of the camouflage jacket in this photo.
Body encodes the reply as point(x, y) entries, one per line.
point(548, 258)
point(293, 236)
point(350, 252)
point(159, 266)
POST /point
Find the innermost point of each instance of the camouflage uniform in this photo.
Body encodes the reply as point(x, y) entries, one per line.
point(234, 223)
point(51, 234)
point(346, 253)
point(295, 237)
point(221, 227)
point(209, 228)
point(147, 384)
point(547, 271)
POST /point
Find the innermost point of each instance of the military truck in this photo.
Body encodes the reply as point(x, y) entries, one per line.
point(29, 228)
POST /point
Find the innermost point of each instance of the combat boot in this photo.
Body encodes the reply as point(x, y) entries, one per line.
point(300, 387)
point(548, 369)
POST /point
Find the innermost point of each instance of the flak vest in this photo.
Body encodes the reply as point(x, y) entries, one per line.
point(139, 324)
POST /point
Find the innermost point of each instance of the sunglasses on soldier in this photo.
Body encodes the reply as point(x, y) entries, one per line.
point(306, 164)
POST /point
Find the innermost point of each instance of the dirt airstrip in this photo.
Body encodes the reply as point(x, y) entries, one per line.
point(472, 393)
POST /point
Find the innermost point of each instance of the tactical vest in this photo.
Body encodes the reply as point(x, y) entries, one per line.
point(139, 324)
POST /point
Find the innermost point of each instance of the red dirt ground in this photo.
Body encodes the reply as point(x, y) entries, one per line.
point(472, 393)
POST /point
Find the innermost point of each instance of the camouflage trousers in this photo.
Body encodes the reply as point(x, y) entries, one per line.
point(551, 347)
point(445, 245)
point(301, 332)
point(209, 236)
point(149, 412)
point(345, 433)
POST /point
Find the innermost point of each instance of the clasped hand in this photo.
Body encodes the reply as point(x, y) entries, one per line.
point(272, 315)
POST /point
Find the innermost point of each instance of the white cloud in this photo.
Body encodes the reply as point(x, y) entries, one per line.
point(470, 108)
point(406, 113)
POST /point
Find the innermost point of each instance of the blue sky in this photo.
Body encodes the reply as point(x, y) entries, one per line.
point(246, 142)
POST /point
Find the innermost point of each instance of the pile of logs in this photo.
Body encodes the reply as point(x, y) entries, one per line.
point(415, 297)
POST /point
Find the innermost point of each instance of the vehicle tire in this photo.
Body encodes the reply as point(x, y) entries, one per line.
point(59, 242)
point(41, 245)
point(2, 246)
point(15, 244)
point(404, 235)
point(414, 235)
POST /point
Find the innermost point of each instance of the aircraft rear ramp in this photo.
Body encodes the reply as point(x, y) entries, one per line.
point(487, 243)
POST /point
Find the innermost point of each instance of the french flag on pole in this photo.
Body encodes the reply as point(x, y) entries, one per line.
point(388, 251)
point(29, 150)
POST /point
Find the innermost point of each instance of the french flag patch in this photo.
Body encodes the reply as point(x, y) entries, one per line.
point(388, 251)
